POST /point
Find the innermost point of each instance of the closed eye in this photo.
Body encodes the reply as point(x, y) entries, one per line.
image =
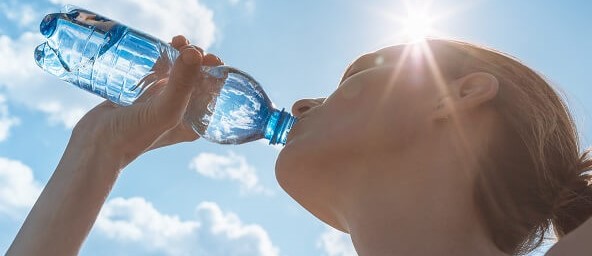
point(362, 63)
point(351, 73)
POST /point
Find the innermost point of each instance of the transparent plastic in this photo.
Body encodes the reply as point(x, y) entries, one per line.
point(119, 63)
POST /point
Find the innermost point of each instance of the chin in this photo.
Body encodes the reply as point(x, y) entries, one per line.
point(286, 166)
point(300, 174)
point(297, 163)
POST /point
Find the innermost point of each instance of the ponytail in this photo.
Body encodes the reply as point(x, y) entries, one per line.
point(532, 176)
point(574, 203)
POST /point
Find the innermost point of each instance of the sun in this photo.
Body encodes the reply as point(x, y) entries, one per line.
point(417, 25)
point(408, 21)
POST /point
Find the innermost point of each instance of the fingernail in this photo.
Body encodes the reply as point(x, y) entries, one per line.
point(190, 56)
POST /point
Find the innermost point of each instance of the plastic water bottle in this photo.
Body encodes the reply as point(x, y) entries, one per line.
point(119, 63)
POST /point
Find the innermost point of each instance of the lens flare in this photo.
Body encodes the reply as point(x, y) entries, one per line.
point(417, 25)
point(408, 21)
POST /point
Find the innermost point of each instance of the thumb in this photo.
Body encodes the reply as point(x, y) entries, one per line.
point(185, 75)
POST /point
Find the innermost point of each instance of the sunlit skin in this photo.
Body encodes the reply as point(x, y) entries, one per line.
point(103, 142)
point(382, 159)
point(389, 157)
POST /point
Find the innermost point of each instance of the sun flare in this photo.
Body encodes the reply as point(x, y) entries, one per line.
point(417, 25)
point(410, 21)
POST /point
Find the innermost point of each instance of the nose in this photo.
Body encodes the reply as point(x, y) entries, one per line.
point(303, 105)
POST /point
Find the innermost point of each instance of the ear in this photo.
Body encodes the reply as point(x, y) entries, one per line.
point(468, 92)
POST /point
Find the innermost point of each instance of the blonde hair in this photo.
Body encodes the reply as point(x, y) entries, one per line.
point(533, 176)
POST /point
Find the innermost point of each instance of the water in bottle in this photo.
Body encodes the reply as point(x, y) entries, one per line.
point(120, 64)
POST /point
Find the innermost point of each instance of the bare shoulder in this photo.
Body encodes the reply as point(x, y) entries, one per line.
point(576, 243)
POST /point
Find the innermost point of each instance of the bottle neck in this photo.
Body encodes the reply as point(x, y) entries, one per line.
point(278, 126)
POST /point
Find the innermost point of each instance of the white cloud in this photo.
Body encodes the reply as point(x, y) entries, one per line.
point(159, 18)
point(336, 243)
point(238, 238)
point(136, 220)
point(6, 121)
point(232, 167)
point(213, 232)
point(26, 83)
point(18, 189)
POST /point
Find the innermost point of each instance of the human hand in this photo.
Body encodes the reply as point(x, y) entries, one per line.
point(123, 133)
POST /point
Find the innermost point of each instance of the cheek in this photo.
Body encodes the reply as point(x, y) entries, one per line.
point(380, 109)
point(365, 115)
point(320, 141)
point(355, 122)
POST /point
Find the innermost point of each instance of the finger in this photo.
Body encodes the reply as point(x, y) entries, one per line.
point(179, 41)
point(153, 91)
point(198, 49)
point(172, 102)
point(180, 133)
point(212, 60)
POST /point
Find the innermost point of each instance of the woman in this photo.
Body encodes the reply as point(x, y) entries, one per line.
point(437, 148)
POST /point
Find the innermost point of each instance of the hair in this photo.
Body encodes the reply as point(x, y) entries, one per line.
point(533, 176)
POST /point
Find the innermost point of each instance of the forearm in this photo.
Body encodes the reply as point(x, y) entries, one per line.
point(106, 139)
point(69, 204)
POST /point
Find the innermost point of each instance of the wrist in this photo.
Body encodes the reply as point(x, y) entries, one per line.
point(104, 142)
point(91, 149)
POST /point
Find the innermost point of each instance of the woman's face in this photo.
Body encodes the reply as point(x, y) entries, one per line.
point(382, 108)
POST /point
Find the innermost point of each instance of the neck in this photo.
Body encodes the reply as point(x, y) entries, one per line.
point(415, 212)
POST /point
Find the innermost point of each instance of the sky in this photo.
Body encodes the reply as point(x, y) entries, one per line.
point(201, 198)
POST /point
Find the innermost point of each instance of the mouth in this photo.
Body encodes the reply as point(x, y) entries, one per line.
point(296, 127)
point(303, 116)
point(293, 130)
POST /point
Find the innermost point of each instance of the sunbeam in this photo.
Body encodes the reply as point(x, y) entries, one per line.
point(412, 21)
point(443, 86)
point(417, 25)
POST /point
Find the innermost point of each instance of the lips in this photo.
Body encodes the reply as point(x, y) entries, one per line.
point(299, 120)
point(293, 130)
point(305, 115)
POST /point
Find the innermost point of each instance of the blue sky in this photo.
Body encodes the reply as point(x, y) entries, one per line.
point(206, 199)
